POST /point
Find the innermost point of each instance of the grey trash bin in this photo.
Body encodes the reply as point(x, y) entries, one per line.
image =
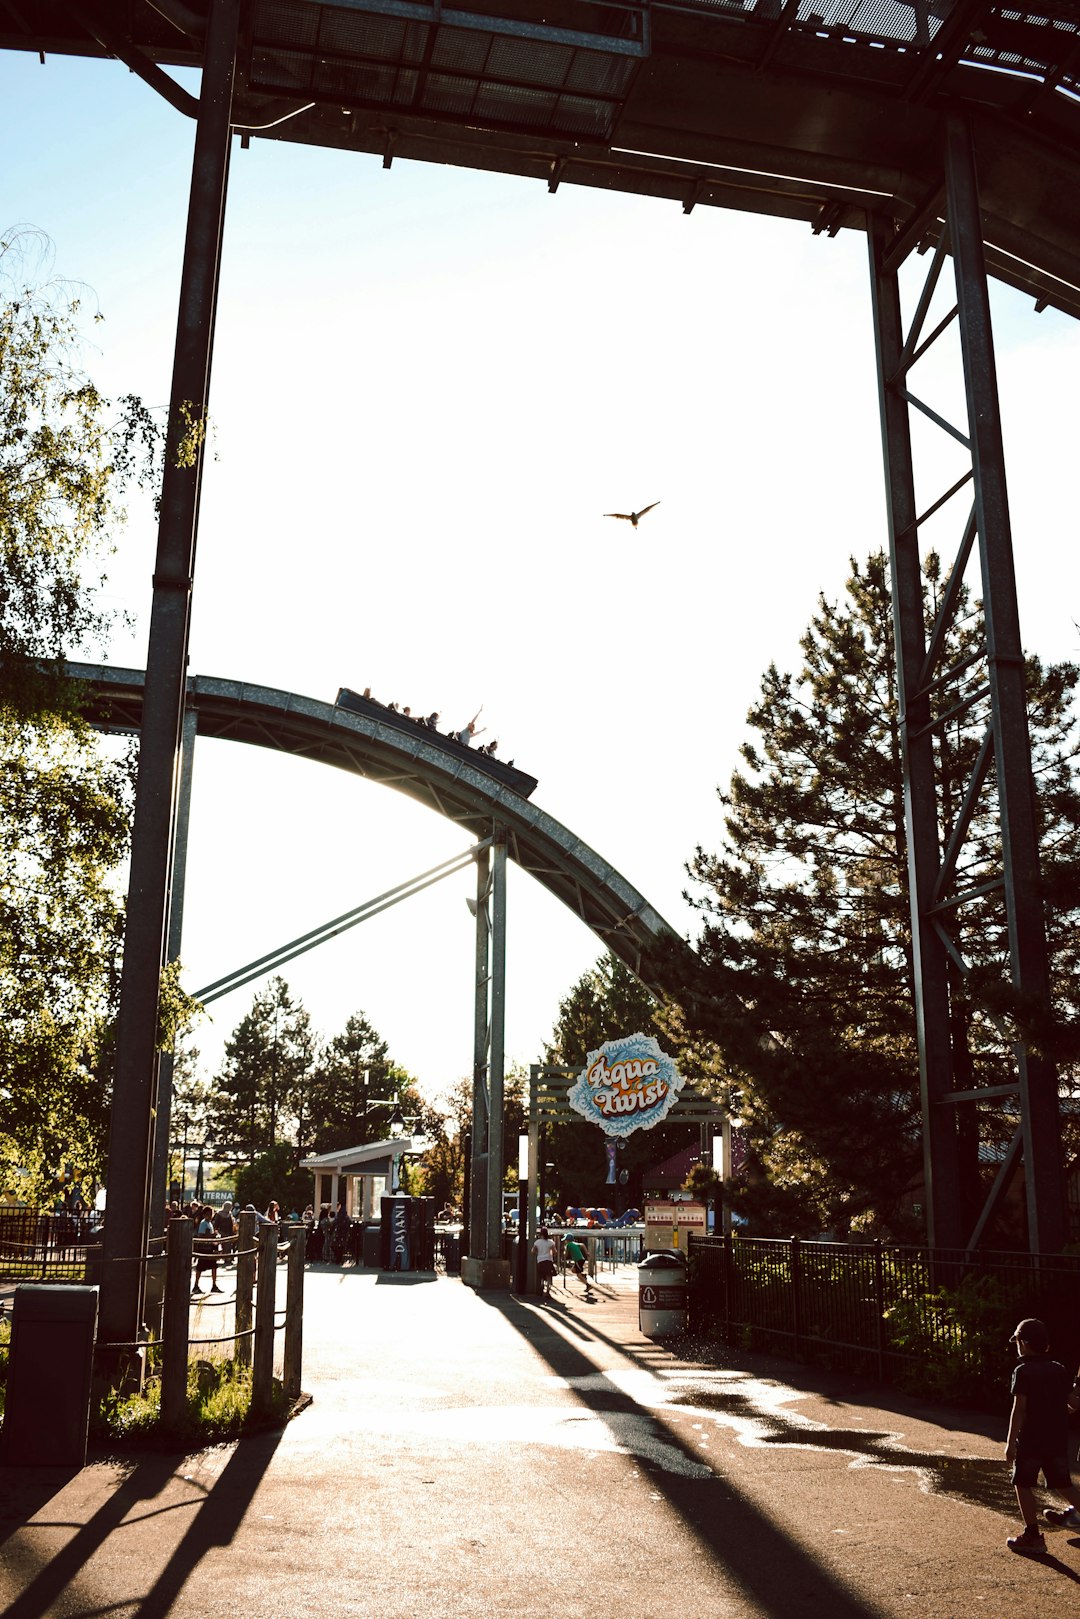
point(50, 1367)
point(662, 1294)
point(371, 1246)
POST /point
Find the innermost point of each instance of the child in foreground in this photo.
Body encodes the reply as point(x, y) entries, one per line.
point(1043, 1395)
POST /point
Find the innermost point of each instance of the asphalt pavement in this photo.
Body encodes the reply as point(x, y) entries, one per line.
point(482, 1455)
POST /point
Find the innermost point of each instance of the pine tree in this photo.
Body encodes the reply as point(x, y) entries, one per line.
point(807, 943)
point(254, 1099)
point(351, 1080)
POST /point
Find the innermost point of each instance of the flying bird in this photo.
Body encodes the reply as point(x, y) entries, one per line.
point(633, 517)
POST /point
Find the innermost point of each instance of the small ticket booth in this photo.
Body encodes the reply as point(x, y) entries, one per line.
point(361, 1176)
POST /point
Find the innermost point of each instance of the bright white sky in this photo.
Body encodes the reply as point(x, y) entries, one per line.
point(429, 384)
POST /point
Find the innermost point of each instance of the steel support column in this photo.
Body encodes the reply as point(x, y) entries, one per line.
point(1039, 1114)
point(135, 1078)
point(485, 1187)
point(929, 693)
point(940, 1160)
point(159, 1177)
point(497, 1047)
point(476, 1190)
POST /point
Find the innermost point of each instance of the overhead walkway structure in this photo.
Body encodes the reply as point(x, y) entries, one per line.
point(822, 111)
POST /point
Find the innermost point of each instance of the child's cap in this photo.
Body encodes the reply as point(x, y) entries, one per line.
point(1034, 1334)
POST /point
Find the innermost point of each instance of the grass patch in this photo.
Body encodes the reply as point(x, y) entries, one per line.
point(218, 1408)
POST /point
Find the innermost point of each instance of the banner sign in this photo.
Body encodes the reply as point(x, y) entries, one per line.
point(628, 1085)
point(399, 1234)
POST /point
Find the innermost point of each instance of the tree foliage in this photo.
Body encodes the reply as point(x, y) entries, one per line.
point(254, 1098)
point(67, 454)
point(807, 945)
point(66, 457)
point(350, 1083)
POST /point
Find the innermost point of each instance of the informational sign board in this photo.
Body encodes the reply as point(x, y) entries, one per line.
point(627, 1085)
point(669, 1224)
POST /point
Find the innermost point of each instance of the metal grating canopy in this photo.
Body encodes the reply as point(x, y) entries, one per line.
point(825, 111)
point(455, 64)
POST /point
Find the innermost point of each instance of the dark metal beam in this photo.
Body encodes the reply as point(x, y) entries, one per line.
point(134, 59)
point(1047, 1224)
point(940, 1145)
point(135, 1078)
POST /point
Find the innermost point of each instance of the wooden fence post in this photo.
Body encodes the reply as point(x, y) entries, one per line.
point(262, 1383)
point(175, 1324)
point(245, 1282)
point(294, 1312)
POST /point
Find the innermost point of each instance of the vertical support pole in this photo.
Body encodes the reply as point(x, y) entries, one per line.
point(175, 1320)
point(294, 1314)
point(535, 1207)
point(262, 1381)
point(1040, 1119)
point(135, 1077)
point(796, 1295)
point(246, 1233)
point(496, 1059)
point(477, 1189)
point(729, 1280)
point(879, 1310)
point(941, 1166)
point(159, 1179)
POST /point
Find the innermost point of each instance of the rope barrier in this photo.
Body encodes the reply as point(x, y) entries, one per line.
point(230, 1338)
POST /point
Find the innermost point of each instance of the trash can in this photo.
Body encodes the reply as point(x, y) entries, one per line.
point(371, 1247)
point(662, 1294)
point(50, 1366)
point(452, 1253)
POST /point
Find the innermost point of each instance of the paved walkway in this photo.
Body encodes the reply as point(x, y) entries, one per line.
point(469, 1456)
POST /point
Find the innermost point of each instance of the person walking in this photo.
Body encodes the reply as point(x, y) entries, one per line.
point(1038, 1440)
point(225, 1226)
point(544, 1249)
point(205, 1245)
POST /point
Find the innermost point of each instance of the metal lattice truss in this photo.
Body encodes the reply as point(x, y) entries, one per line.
point(622, 919)
point(987, 686)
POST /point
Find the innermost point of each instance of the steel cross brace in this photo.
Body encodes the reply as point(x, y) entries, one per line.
point(930, 695)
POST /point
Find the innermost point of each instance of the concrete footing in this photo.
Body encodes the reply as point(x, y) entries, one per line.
point(485, 1274)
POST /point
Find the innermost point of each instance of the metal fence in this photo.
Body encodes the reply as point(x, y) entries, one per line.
point(935, 1322)
point(46, 1247)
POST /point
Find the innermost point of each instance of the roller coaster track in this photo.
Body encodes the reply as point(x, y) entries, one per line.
point(624, 922)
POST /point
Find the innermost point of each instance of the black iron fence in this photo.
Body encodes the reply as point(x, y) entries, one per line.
point(46, 1247)
point(935, 1322)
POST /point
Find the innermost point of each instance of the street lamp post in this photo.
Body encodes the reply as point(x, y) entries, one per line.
point(397, 1133)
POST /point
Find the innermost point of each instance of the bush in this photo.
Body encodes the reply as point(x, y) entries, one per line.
point(955, 1338)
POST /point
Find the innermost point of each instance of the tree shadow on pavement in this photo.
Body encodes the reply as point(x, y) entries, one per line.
point(752, 1549)
point(216, 1519)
